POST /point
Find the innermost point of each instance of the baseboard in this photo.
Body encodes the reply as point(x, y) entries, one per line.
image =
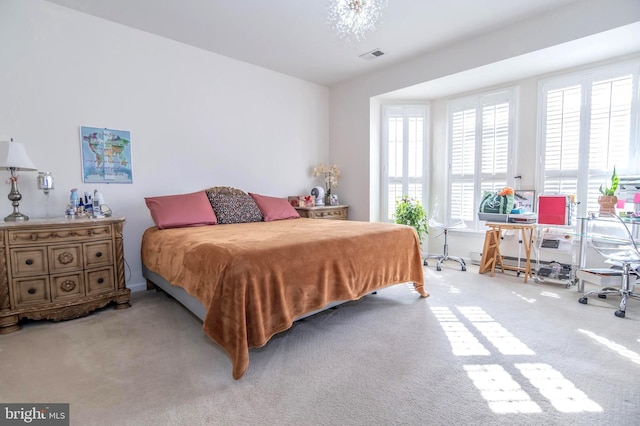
point(137, 287)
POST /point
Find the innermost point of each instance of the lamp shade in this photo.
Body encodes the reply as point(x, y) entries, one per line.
point(13, 155)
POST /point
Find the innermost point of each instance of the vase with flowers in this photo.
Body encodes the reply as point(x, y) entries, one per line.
point(608, 198)
point(330, 175)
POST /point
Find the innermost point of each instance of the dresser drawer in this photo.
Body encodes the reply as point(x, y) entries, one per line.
point(336, 214)
point(324, 212)
point(29, 261)
point(98, 254)
point(65, 258)
point(67, 286)
point(99, 281)
point(43, 235)
point(31, 291)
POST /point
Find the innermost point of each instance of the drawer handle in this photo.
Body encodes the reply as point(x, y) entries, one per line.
point(29, 261)
point(31, 291)
point(65, 258)
point(100, 280)
point(68, 285)
point(99, 254)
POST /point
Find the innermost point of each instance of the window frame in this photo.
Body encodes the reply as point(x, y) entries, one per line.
point(585, 79)
point(478, 102)
point(384, 160)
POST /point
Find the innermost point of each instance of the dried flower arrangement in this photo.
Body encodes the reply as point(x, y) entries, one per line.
point(330, 175)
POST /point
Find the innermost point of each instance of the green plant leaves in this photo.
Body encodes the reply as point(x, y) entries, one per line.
point(410, 212)
point(614, 185)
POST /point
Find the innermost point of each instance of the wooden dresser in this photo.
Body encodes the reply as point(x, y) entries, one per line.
point(324, 212)
point(60, 269)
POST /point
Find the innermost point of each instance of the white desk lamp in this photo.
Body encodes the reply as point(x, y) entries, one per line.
point(13, 157)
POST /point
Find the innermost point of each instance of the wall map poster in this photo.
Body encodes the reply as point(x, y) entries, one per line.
point(106, 155)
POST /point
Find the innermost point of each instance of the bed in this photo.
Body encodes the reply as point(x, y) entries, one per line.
point(248, 281)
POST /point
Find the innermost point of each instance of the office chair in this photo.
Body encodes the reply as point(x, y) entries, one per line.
point(609, 235)
point(447, 224)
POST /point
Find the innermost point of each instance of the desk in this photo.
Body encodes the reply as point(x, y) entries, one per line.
point(632, 225)
point(491, 256)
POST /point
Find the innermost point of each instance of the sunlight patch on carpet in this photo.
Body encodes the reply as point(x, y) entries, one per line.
point(560, 392)
point(502, 392)
point(494, 332)
point(524, 298)
point(622, 350)
point(498, 388)
point(463, 342)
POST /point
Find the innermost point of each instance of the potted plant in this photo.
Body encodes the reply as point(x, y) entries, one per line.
point(410, 212)
point(608, 198)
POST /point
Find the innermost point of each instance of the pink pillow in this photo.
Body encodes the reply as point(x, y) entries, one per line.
point(175, 211)
point(274, 208)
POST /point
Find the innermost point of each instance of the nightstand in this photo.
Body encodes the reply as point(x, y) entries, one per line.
point(60, 269)
point(324, 212)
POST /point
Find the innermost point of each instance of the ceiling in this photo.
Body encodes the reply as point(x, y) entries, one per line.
point(293, 37)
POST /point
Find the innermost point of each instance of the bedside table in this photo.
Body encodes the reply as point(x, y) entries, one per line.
point(60, 269)
point(324, 212)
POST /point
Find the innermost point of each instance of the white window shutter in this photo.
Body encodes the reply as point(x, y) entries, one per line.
point(480, 147)
point(404, 154)
point(588, 129)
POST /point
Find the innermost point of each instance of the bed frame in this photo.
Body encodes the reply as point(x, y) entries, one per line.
point(156, 282)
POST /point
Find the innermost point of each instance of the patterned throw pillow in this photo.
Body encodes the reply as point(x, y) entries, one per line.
point(230, 208)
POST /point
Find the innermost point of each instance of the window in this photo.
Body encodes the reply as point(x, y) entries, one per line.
point(588, 126)
point(481, 149)
point(404, 136)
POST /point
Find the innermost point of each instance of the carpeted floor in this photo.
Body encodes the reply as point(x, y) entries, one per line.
point(480, 350)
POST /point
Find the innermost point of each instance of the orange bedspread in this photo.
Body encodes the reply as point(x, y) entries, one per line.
point(255, 279)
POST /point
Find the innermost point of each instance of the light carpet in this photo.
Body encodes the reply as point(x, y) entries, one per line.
point(481, 350)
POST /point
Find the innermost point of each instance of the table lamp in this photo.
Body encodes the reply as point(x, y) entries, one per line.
point(13, 157)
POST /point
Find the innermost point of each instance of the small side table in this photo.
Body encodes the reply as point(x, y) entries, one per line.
point(324, 212)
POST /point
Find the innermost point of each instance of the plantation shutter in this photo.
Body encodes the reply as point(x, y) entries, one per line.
point(404, 135)
point(563, 109)
point(609, 134)
point(480, 144)
point(463, 153)
point(587, 130)
point(495, 146)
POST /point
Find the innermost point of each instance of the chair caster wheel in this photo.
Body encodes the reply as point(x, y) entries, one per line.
point(438, 268)
point(602, 296)
point(620, 314)
point(464, 268)
point(583, 300)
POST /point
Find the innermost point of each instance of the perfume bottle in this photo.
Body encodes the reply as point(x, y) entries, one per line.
point(73, 198)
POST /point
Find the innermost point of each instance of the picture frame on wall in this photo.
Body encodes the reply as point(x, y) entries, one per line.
point(106, 155)
point(525, 199)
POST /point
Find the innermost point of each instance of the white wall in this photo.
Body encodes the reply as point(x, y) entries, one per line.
point(354, 104)
point(196, 119)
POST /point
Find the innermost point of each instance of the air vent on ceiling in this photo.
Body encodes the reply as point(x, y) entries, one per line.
point(375, 53)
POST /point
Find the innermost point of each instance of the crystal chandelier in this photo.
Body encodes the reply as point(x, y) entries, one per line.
point(353, 18)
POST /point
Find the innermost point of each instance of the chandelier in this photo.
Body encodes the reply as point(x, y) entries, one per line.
point(353, 18)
